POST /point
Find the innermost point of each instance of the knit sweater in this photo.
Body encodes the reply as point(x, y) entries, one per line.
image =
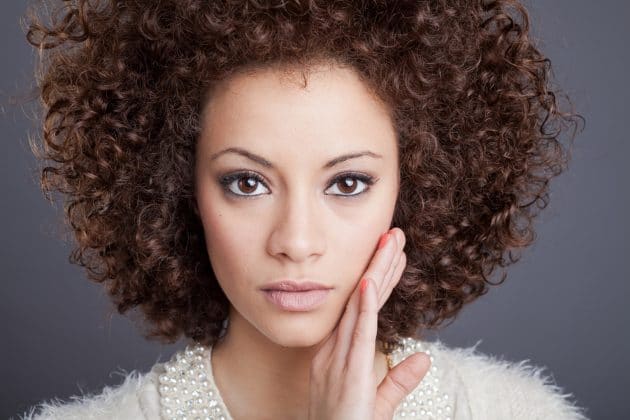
point(462, 384)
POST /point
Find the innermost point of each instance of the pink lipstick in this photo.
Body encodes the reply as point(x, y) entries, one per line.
point(295, 296)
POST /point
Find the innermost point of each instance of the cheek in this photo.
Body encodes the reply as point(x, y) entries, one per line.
point(357, 242)
point(229, 241)
point(223, 230)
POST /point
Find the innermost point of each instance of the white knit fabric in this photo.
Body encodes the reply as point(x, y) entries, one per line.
point(480, 387)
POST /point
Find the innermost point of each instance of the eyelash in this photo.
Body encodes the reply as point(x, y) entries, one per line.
point(226, 180)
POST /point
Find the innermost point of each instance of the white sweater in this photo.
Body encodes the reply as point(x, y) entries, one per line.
point(462, 384)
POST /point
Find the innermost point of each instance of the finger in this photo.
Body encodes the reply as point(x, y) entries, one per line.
point(376, 270)
point(382, 293)
point(392, 266)
point(327, 347)
point(391, 279)
point(349, 319)
point(399, 382)
point(362, 349)
point(344, 329)
point(386, 280)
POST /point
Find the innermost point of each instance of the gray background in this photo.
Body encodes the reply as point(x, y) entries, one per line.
point(564, 305)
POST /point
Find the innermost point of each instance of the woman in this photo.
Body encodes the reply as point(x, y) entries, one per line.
point(301, 188)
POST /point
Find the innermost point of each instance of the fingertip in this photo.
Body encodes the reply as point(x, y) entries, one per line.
point(367, 285)
point(422, 363)
point(369, 297)
point(364, 284)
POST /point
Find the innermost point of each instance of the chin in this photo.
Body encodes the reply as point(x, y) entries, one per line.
point(298, 333)
point(295, 342)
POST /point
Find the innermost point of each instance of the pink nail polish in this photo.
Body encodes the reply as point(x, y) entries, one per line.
point(383, 240)
point(363, 284)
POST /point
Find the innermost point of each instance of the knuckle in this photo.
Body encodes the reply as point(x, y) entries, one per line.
point(370, 277)
point(358, 335)
point(401, 390)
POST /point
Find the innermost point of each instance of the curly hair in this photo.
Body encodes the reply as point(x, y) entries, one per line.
point(122, 84)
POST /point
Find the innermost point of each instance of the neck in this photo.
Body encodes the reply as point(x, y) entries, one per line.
point(253, 373)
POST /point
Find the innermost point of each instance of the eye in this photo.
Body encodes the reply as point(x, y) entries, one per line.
point(349, 183)
point(247, 183)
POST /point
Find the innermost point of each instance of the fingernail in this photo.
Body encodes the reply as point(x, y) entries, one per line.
point(383, 240)
point(363, 284)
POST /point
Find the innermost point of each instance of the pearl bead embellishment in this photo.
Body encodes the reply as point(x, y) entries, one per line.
point(427, 401)
point(188, 392)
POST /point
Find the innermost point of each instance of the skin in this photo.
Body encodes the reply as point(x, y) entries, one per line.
point(297, 222)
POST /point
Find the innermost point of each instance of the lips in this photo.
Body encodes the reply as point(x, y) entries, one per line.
point(296, 296)
point(287, 285)
point(297, 301)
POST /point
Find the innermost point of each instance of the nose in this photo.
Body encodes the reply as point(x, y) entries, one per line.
point(299, 229)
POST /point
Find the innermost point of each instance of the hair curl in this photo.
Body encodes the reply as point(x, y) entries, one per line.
point(123, 82)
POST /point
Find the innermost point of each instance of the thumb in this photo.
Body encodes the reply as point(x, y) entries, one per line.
point(399, 382)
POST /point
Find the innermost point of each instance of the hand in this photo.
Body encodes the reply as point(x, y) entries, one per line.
point(342, 376)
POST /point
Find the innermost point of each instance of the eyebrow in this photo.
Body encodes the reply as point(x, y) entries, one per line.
point(264, 162)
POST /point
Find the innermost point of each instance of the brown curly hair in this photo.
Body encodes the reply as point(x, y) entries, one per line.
point(123, 82)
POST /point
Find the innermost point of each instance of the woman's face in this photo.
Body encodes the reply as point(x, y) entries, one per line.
point(297, 210)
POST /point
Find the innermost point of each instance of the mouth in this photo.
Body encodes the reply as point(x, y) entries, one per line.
point(297, 301)
point(287, 285)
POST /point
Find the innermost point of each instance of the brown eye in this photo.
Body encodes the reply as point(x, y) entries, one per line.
point(247, 184)
point(347, 185)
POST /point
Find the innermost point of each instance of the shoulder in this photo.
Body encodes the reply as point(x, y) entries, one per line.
point(483, 386)
point(135, 398)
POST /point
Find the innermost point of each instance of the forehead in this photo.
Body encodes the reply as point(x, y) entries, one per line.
point(328, 108)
